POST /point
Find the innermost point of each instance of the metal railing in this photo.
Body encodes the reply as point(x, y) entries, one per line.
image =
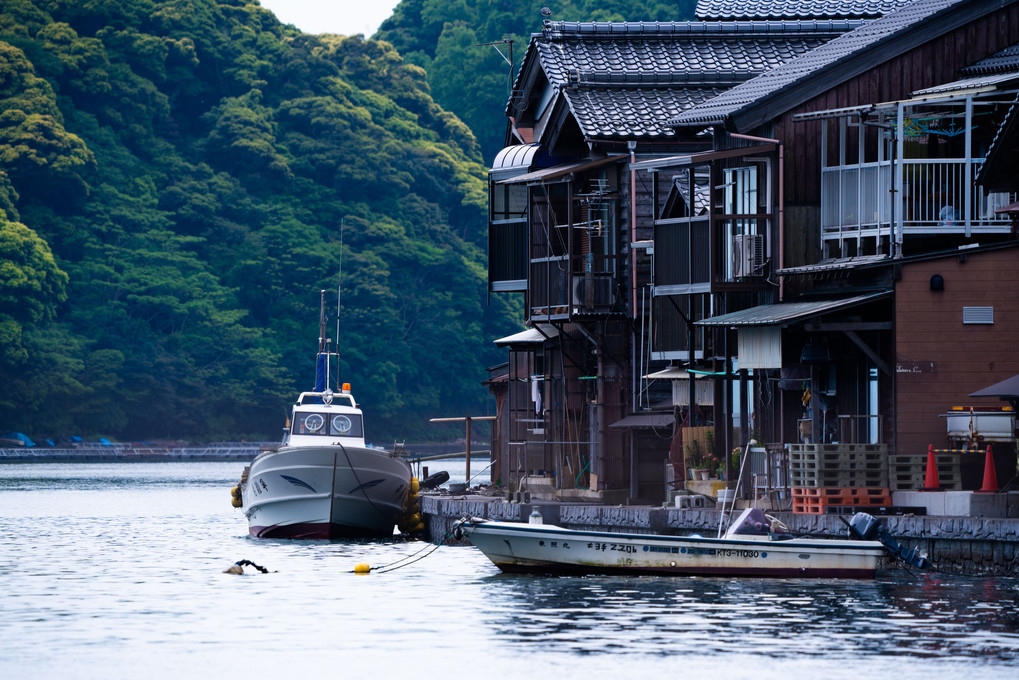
point(935, 198)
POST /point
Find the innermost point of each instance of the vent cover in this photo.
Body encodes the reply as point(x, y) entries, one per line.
point(978, 315)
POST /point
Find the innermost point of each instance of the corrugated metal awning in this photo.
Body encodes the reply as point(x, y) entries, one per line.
point(532, 336)
point(515, 159)
point(644, 420)
point(560, 171)
point(671, 374)
point(977, 85)
point(834, 113)
point(840, 264)
point(787, 312)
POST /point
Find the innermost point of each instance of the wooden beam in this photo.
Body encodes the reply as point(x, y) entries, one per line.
point(871, 354)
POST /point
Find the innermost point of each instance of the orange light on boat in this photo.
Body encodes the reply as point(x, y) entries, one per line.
point(346, 387)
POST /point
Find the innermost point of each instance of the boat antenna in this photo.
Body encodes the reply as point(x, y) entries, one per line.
point(339, 287)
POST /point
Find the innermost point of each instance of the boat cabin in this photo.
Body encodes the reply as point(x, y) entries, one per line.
point(321, 418)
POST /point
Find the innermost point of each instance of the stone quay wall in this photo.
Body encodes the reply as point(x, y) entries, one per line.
point(956, 545)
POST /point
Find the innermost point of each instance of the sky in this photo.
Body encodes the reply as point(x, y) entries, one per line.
point(345, 17)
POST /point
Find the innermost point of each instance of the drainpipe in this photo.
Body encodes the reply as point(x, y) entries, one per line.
point(632, 146)
point(781, 197)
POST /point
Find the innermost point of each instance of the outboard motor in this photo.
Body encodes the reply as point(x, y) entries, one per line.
point(869, 528)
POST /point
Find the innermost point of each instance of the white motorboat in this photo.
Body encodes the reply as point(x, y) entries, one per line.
point(323, 481)
point(749, 548)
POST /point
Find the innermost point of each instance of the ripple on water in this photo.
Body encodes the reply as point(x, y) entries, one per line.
point(120, 568)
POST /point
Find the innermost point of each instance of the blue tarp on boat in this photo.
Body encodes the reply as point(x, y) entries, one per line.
point(21, 437)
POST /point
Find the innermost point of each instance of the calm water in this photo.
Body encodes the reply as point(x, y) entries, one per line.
point(116, 571)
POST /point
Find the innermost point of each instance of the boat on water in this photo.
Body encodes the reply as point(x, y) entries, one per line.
point(323, 481)
point(751, 547)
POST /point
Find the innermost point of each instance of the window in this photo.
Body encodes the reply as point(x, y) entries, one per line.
point(745, 247)
point(328, 424)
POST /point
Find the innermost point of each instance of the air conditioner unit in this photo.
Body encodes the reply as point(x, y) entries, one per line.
point(602, 292)
point(747, 256)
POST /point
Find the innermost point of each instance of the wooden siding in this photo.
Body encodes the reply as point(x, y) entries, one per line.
point(939, 360)
point(933, 63)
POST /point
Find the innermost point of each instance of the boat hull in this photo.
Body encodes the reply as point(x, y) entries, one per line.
point(325, 492)
point(543, 548)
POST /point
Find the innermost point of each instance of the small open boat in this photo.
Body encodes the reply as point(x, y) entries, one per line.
point(749, 548)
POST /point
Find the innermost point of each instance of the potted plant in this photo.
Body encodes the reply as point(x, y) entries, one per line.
point(696, 461)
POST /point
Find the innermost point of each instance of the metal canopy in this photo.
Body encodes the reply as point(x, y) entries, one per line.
point(671, 374)
point(1006, 389)
point(532, 336)
point(559, 171)
point(645, 420)
point(787, 312)
point(515, 159)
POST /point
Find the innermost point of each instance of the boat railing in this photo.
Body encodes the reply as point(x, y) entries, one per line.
point(305, 398)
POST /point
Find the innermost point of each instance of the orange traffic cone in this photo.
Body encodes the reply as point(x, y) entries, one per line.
point(930, 480)
point(990, 475)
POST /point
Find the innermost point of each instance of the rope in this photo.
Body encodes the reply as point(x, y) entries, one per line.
point(479, 472)
point(410, 559)
point(249, 563)
point(364, 492)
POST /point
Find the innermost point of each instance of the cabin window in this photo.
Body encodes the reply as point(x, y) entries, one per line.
point(328, 424)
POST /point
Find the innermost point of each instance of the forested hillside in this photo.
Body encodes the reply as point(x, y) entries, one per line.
point(175, 177)
point(471, 79)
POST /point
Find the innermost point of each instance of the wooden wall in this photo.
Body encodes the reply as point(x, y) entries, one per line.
point(940, 361)
point(933, 63)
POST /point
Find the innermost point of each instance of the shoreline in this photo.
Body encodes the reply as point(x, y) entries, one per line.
point(123, 454)
point(225, 452)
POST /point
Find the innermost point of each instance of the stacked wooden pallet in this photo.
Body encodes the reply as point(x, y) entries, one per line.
point(827, 476)
point(821, 501)
point(838, 465)
point(907, 471)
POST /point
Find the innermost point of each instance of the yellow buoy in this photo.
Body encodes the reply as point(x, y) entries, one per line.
point(235, 497)
point(414, 486)
point(362, 568)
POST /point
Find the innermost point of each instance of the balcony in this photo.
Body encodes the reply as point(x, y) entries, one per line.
point(909, 170)
point(558, 290)
point(936, 199)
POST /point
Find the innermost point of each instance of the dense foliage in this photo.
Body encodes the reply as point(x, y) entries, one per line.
point(178, 181)
point(472, 79)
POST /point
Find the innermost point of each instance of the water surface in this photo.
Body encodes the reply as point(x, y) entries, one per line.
point(116, 571)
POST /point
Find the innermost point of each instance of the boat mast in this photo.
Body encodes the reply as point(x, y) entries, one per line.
point(339, 287)
point(322, 357)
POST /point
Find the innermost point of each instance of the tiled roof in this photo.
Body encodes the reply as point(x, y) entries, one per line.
point(795, 9)
point(633, 113)
point(1000, 62)
point(817, 65)
point(626, 79)
point(689, 48)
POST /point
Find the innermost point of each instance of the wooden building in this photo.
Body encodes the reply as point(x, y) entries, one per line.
point(565, 231)
point(733, 203)
point(884, 135)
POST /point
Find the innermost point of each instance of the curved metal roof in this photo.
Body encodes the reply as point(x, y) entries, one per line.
point(516, 157)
